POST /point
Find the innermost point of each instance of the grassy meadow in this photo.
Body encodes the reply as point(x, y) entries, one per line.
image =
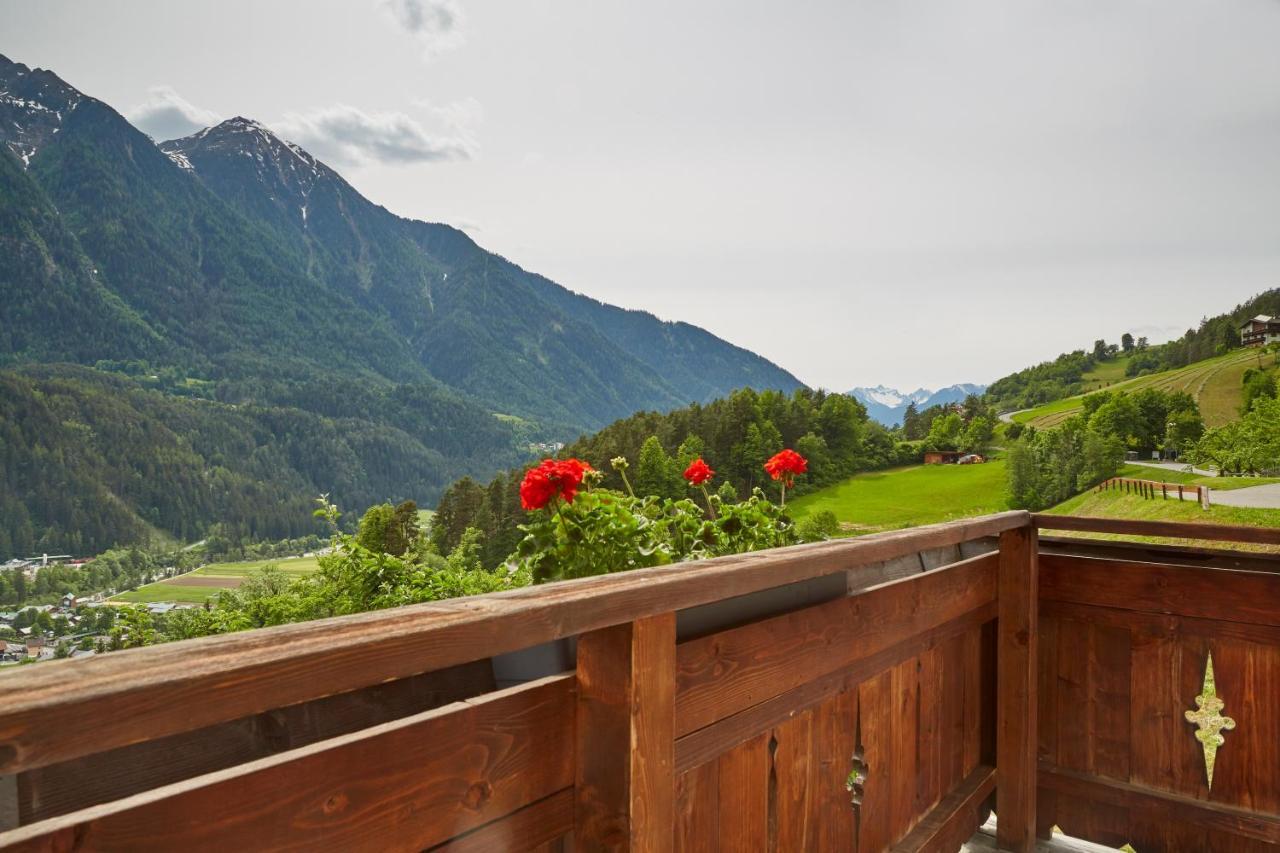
point(165, 591)
point(288, 565)
point(905, 497)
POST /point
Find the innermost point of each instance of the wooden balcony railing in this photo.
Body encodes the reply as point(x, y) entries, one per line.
point(879, 693)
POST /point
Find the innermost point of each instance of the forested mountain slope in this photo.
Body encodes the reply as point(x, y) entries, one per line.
point(232, 266)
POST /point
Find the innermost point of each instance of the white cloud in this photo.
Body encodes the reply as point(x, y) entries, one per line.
point(437, 24)
point(167, 115)
point(348, 135)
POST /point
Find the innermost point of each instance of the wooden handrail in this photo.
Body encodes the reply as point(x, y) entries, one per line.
point(1167, 529)
point(144, 694)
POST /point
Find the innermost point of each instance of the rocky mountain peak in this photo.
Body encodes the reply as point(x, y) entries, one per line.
point(33, 104)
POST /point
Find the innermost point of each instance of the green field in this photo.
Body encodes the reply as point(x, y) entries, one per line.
point(1214, 383)
point(288, 565)
point(162, 591)
point(166, 591)
point(905, 497)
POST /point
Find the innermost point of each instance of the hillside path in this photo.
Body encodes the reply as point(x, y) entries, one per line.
point(1256, 497)
point(1180, 467)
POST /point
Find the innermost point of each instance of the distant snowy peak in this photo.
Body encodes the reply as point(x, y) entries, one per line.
point(880, 394)
point(887, 405)
point(33, 105)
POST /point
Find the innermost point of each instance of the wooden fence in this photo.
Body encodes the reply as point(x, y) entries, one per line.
point(743, 703)
point(1151, 489)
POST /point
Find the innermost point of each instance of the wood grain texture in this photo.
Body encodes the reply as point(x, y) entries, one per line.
point(697, 810)
point(954, 819)
point(143, 694)
point(795, 773)
point(721, 674)
point(706, 743)
point(1168, 529)
point(63, 788)
point(1221, 594)
point(743, 788)
point(536, 827)
point(405, 785)
point(1017, 637)
point(1219, 820)
point(625, 779)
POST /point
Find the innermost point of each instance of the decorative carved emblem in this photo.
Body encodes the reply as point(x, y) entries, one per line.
point(1210, 723)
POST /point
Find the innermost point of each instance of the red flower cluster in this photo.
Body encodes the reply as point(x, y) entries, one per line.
point(698, 472)
point(550, 478)
point(785, 464)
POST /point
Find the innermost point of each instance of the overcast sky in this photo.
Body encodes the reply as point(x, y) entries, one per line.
point(908, 193)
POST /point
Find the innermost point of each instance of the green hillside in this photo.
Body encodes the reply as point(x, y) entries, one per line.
point(905, 497)
point(1214, 384)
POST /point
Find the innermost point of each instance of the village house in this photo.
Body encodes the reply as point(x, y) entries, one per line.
point(1260, 330)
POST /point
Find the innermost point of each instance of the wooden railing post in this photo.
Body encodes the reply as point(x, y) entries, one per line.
point(625, 780)
point(1018, 609)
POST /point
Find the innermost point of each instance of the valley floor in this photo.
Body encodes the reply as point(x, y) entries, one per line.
point(906, 497)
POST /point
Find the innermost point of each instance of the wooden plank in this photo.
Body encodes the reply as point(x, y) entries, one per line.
point(1161, 623)
point(1166, 674)
point(63, 788)
point(536, 824)
point(1247, 771)
point(903, 748)
point(1166, 529)
point(697, 810)
point(744, 794)
point(1148, 552)
point(1216, 817)
point(143, 694)
point(929, 782)
point(1224, 594)
point(1017, 631)
point(625, 780)
point(721, 674)
point(795, 774)
point(835, 741)
point(404, 785)
point(706, 743)
point(876, 720)
point(956, 816)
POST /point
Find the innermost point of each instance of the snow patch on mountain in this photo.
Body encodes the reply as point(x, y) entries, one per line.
point(887, 405)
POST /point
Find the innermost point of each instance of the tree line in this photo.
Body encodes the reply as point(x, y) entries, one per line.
point(1045, 467)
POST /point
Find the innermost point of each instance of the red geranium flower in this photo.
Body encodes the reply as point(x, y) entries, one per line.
point(785, 465)
point(698, 472)
point(552, 477)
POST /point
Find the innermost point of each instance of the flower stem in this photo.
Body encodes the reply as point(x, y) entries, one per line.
point(711, 510)
point(627, 483)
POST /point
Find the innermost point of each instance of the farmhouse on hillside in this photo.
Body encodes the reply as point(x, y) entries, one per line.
point(1260, 330)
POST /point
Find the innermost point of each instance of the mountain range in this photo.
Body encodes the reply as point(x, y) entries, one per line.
point(887, 405)
point(234, 268)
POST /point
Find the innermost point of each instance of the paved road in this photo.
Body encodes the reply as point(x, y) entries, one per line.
point(1007, 417)
point(1258, 497)
point(1180, 467)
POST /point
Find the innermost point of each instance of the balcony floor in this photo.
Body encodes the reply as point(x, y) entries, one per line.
point(984, 841)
